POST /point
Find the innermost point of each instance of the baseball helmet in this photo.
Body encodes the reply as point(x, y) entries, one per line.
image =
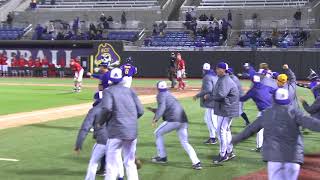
point(312, 75)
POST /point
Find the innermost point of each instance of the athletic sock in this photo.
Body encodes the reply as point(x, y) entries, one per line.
point(245, 117)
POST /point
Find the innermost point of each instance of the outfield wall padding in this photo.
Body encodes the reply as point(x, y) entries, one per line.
point(155, 63)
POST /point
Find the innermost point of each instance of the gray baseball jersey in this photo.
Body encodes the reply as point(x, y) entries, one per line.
point(208, 83)
point(237, 81)
point(169, 108)
point(291, 86)
point(125, 108)
point(226, 97)
point(269, 81)
point(283, 141)
point(93, 119)
point(314, 109)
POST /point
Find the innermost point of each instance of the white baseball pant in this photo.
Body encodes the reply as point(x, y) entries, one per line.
point(182, 131)
point(78, 75)
point(1, 67)
point(127, 81)
point(259, 138)
point(4, 68)
point(240, 108)
point(283, 171)
point(224, 135)
point(98, 152)
point(113, 158)
point(211, 120)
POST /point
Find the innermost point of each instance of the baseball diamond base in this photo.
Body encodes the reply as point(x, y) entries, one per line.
point(310, 170)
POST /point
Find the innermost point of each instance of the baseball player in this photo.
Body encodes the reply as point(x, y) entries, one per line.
point(208, 82)
point(30, 67)
point(104, 75)
point(267, 79)
point(78, 75)
point(283, 143)
point(5, 65)
point(288, 81)
point(314, 108)
point(262, 96)
point(22, 66)
point(125, 109)
point(1, 65)
point(181, 71)
point(175, 119)
point(128, 70)
point(172, 70)
point(14, 66)
point(249, 71)
point(226, 106)
point(241, 93)
point(93, 119)
point(314, 82)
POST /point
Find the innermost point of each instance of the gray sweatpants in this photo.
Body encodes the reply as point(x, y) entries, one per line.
point(182, 131)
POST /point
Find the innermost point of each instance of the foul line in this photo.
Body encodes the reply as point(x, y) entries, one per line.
point(5, 159)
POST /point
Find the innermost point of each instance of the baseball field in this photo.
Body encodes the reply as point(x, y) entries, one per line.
point(40, 118)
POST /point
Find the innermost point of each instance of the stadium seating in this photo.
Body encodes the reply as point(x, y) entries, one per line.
point(66, 4)
point(123, 35)
point(182, 39)
point(317, 44)
point(12, 33)
point(266, 39)
point(252, 3)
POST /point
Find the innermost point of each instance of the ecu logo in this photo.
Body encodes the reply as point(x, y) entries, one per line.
point(106, 54)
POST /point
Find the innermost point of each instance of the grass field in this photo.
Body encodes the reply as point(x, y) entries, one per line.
point(45, 150)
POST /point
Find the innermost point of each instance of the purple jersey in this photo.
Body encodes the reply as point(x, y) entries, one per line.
point(104, 78)
point(128, 70)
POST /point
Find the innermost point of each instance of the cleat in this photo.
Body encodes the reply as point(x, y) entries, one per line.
point(197, 166)
point(211, 141)
point(159, 160)
point(221, 159)
point(257, 149)
point(101, 172)
point(231, 155)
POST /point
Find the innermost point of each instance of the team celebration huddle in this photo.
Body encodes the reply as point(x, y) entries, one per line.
point(278, 127)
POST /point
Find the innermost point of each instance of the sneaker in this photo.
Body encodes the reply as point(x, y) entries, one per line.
point(120, 178)
point(101, 172)
point(257, 149)
point(197, 166)
point(221, 159)
point(159, 160)
point(231, 155)
point(211, 141)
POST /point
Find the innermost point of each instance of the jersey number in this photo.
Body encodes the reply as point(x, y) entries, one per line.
point(126, 71)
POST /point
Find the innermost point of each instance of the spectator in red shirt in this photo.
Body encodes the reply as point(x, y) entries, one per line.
point(61, 66)
point(78, 74)
point(45, 65)
point(30, 69)
point(37, 68)
point(181, 69)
